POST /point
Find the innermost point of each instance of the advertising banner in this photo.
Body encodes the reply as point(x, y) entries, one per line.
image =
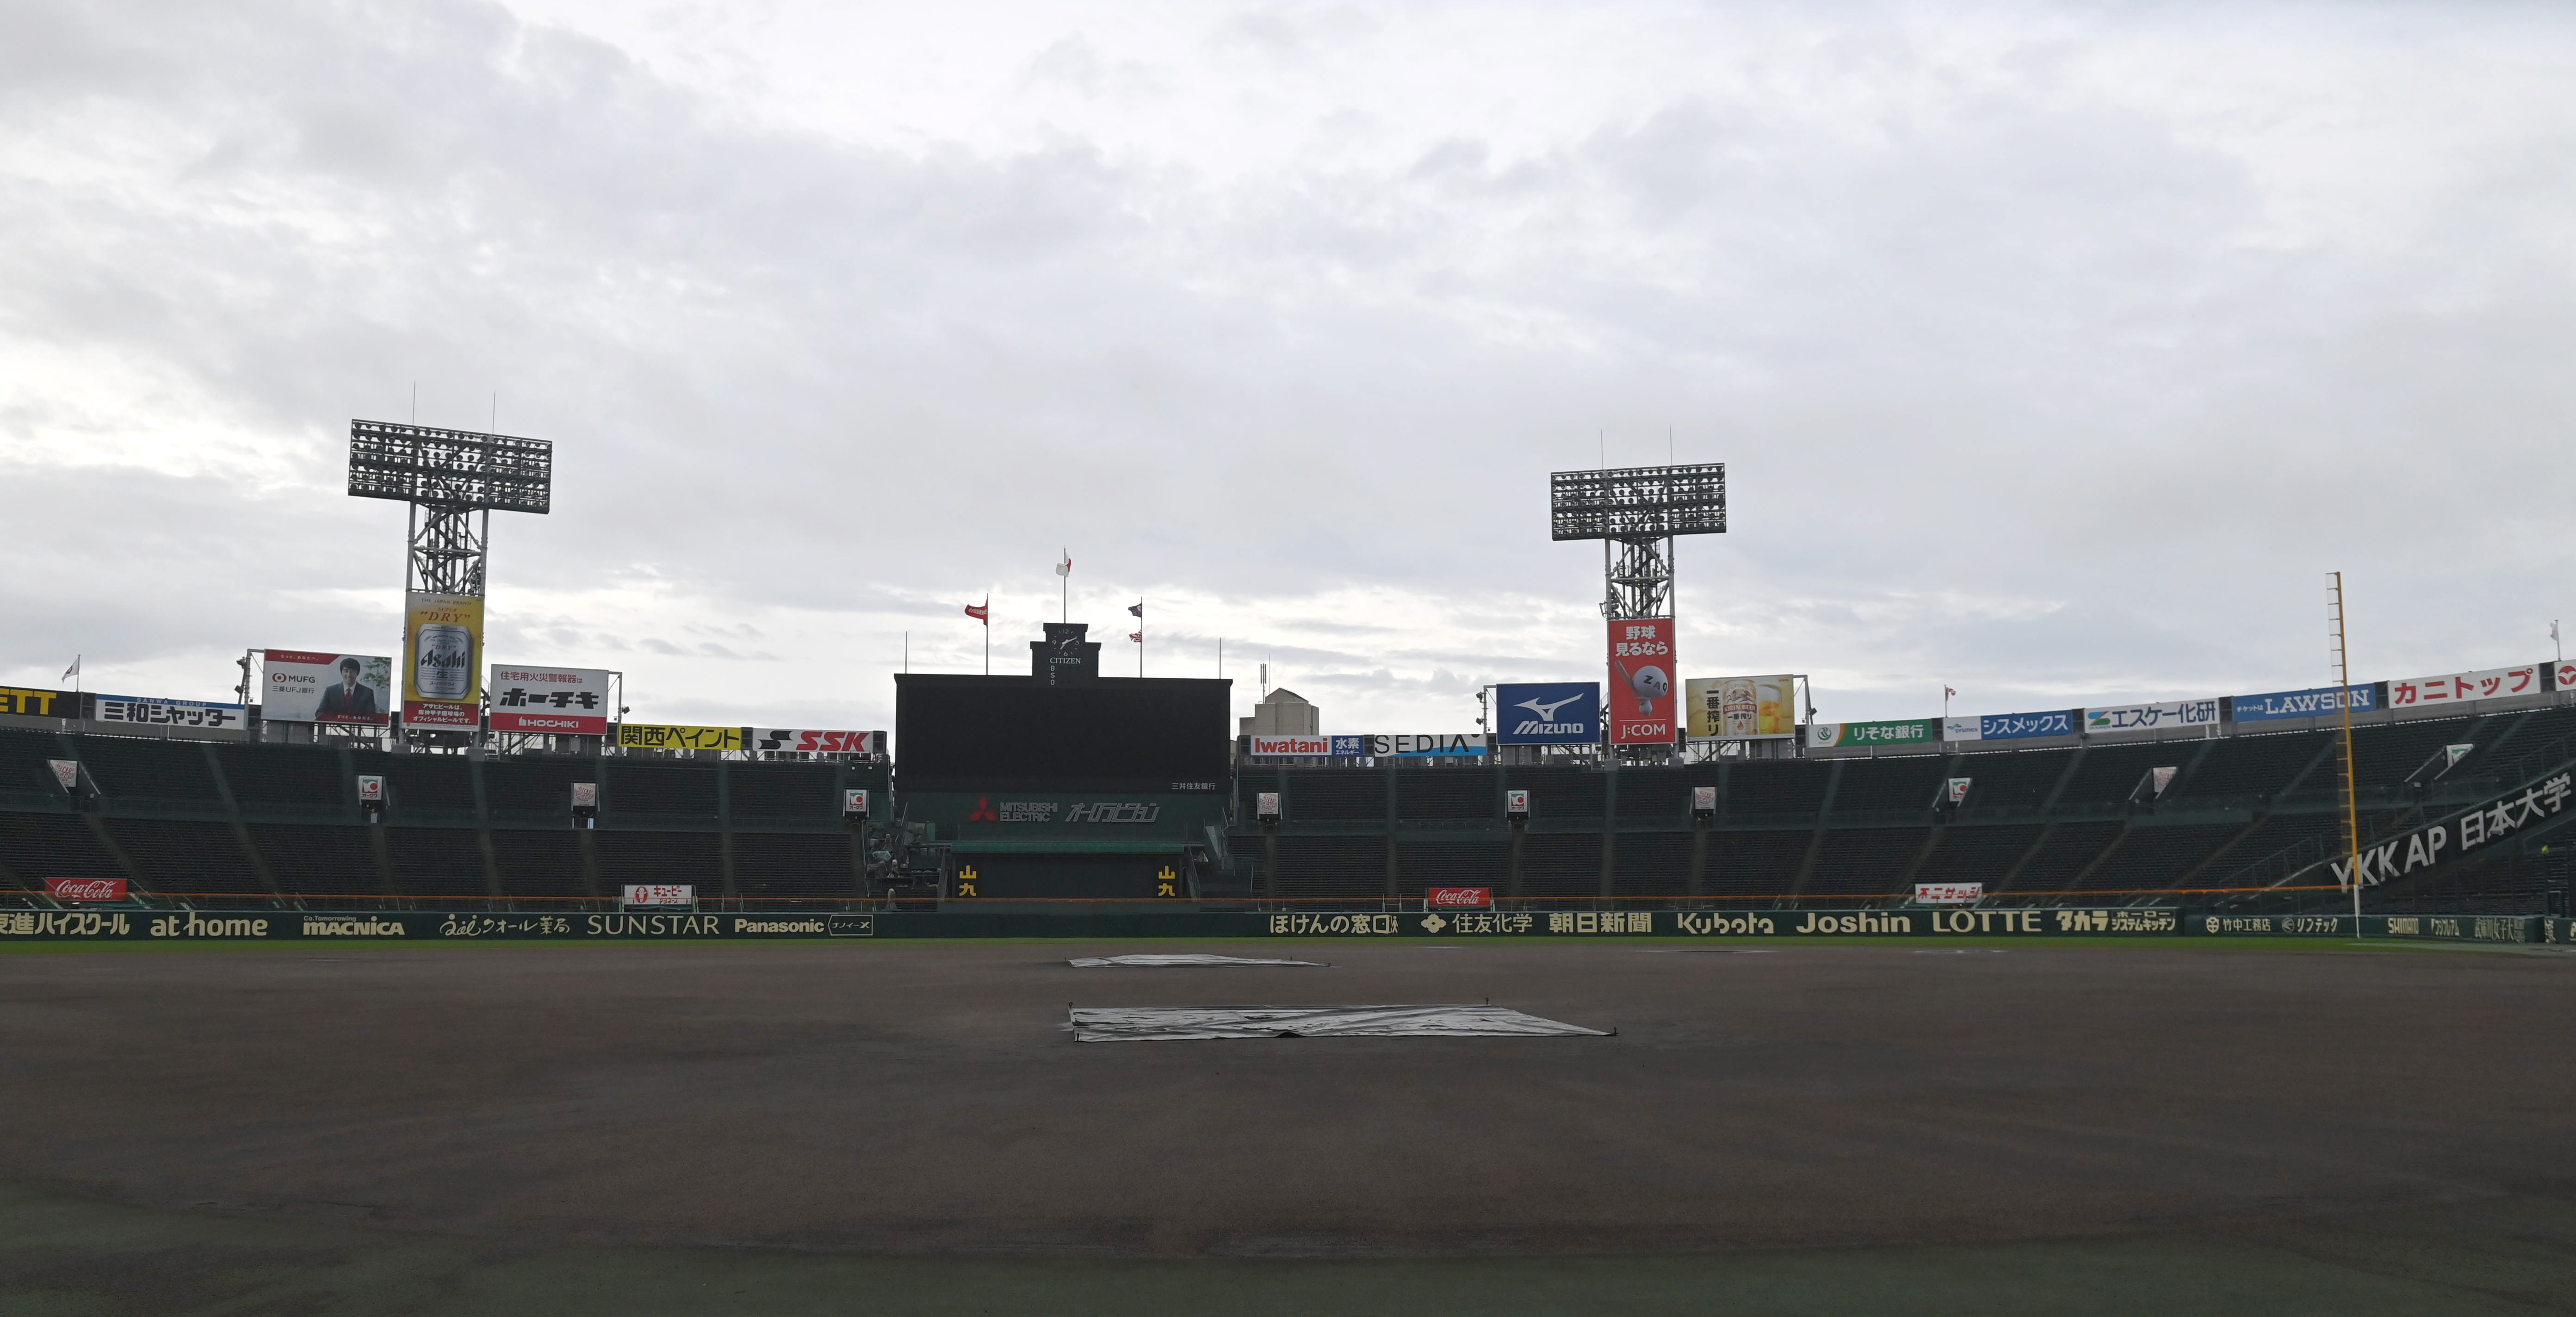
point(1903, 731)
point(85, 889)
point(303, 686)
point(2313, 702)
point(1548, 713)
point(1463, 743)
point(673, 736)
point(1742, 708)
point(803, 741)
point(1641, 681)
point(2151, 717)
point(2009, 726)
point(2459, 835)
point(1949, 893)
point(147, 712)
point(1349, 747)
point(566, 701)
point(2563, 676)
point(442, 660)
point(2465, 687)
point(660, 894)
point(1303, 747)
point(1439, 898)
point(38, 704)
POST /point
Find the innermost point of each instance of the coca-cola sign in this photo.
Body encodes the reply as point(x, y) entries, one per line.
point(85, 889)
point(1460, 896)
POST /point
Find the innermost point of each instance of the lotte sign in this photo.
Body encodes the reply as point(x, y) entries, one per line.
point(1641, 681)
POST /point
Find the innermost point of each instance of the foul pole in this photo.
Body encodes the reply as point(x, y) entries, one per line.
point(2351, 777)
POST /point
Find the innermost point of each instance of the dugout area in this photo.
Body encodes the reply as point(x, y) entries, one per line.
point(894, 1126)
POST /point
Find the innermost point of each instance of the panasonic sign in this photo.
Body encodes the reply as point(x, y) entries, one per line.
point(1548, 713)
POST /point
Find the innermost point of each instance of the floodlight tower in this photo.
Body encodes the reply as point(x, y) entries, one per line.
point(453, 480)
point(1636, 512)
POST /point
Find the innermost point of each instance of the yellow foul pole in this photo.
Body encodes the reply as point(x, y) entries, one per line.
point(2351, 778)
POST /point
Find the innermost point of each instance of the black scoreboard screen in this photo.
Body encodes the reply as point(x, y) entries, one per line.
point(1158, 734)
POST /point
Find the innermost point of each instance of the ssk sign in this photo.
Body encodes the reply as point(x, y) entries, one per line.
point(1460, 896)
point(813, 742)
point(85, 889)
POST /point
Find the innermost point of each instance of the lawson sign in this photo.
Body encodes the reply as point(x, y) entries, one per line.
point(1548, 713)
point(2313, 702)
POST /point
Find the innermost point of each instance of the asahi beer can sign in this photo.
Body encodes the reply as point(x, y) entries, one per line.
point(442, 684)
point(445, 662)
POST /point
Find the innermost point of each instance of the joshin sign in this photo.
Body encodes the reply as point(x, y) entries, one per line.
point(1641, 681)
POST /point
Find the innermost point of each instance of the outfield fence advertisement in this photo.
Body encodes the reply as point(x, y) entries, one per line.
point(1903, 731)
point(1742, 708)
point(1439, 922)
point(2151, 717)
point(564, 701)
point(2314, 702)
point(2466, 687)
point(676, 736)
point(1548, 713)
point(1641, 681)
point(442, 660)
point(146, 711)
point(303, 686)
point(2009, 726)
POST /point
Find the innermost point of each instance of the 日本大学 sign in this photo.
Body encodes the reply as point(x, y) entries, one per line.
point(2465, 832)
point(1548, 713)
point(2151, 717)
point(2314, 702)
point(1903, 731)
point(2009, 726)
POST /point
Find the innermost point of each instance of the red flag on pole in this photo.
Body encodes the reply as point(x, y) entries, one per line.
point(982, 612)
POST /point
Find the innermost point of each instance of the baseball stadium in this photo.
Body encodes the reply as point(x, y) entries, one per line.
point(465, 994)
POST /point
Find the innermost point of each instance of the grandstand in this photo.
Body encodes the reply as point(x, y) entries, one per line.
point(2249, 820)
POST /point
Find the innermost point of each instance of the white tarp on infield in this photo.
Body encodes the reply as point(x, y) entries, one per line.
point(1120, 1024)
point(1194, 959)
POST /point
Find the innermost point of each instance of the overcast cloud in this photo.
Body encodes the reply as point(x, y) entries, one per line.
point(2056, 351)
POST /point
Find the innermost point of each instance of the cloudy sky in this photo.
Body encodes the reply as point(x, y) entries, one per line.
point(2056, 351)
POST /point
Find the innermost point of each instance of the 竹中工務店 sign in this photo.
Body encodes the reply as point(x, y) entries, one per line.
point(1902, 731)
point(1641, 692)
point(442, 657)
point(1742, 708)
point(305, 686)
point(675, 736)
point(565, 701)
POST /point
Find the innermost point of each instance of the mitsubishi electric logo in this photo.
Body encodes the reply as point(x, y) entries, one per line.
point(1044, 811)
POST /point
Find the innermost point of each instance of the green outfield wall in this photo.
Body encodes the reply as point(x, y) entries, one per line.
point(168, 926)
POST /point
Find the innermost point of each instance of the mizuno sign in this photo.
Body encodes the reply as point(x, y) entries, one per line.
point(1548, 713)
